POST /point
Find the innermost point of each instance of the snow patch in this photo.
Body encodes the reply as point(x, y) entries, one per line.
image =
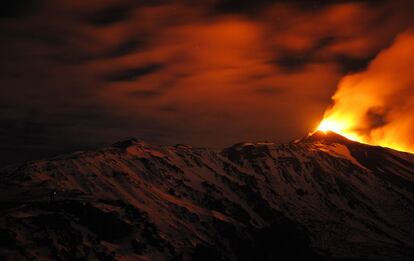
point(340, 151)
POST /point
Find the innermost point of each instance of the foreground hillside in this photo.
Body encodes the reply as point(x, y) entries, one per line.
point(322, 197)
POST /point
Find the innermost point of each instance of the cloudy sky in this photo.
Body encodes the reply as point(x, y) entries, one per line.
point(84, 74)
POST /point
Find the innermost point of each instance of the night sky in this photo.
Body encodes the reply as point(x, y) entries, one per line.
point(83, 74)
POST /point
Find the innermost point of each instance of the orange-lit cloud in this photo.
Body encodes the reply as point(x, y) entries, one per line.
point(85, 73)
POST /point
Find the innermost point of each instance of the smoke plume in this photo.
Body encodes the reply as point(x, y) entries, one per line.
point(376, 106)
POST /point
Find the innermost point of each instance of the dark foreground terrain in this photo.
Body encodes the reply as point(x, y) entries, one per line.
point(319, 198)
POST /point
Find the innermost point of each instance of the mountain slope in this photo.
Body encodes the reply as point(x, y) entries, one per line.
point(322, 197)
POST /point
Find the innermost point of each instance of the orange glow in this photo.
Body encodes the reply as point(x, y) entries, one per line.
point(340, 126)
point(376, 106)
point(344, 125)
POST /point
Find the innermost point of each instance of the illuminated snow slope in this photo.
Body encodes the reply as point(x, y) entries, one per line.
point(320, 197)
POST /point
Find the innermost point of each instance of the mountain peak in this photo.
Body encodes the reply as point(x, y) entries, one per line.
point(322, 136)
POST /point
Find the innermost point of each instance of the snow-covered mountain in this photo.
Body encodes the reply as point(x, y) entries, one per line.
point(322, 197)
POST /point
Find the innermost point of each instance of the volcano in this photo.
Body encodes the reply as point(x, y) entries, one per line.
point(322, 197)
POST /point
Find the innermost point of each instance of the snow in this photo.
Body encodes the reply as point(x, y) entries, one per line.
point(340, 151)
point(182, 190)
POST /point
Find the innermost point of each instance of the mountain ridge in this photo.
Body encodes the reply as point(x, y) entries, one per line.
point(323, 197)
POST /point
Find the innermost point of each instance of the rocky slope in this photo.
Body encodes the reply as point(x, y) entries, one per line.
point(322, 197)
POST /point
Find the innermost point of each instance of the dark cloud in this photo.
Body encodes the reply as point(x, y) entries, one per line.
point(133, 74)
point(292, 62)
point(169, 108)
point(109, 15)
point(295, 60)
point(241, 6)
point(269, 90)
point(351, 65)
point(145, 93)
point(127, 47)
point(255, 7)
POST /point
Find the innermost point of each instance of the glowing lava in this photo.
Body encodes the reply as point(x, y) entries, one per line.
point(360, 121)
point(354, 128)
point(353, 123)
point(376, 106)
point(340, 127)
